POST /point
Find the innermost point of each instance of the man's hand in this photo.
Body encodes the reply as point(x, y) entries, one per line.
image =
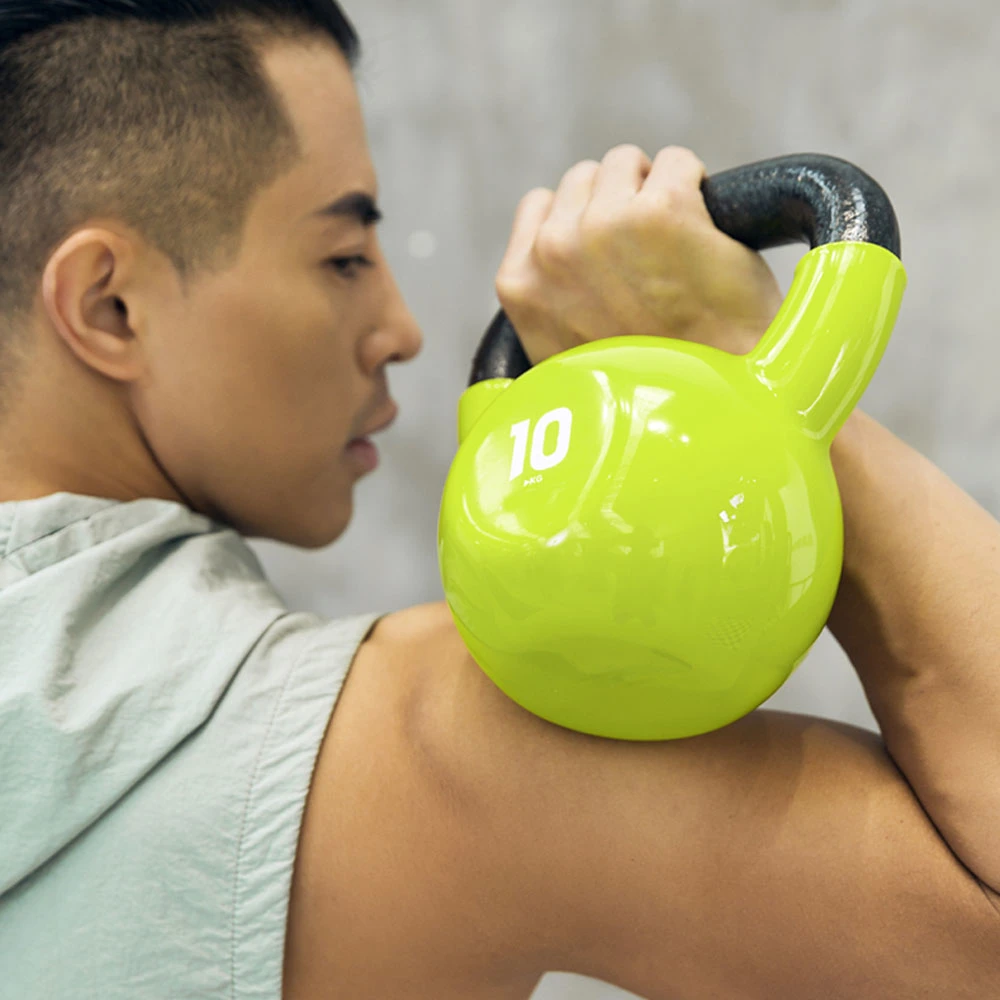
point(627, 247)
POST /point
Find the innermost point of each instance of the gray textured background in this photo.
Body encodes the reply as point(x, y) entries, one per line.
point(472, 102)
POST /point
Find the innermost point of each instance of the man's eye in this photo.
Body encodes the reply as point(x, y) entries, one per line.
point(348, 267)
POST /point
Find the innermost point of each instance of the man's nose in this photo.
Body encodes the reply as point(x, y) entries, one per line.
point(398, 337)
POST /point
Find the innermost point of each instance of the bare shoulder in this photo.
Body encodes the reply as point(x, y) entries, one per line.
point(455, 845)
point(382, 903)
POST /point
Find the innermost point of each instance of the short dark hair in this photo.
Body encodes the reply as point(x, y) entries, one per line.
point(155, 112)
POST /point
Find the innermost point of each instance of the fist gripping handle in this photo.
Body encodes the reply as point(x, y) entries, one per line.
point(792, 199)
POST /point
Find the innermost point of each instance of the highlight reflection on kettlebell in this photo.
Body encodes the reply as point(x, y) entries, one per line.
point(699, 528)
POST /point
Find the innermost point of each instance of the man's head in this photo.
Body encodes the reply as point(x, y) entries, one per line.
point(179, 316)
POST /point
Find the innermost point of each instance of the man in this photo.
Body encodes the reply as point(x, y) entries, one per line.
point(179, 818)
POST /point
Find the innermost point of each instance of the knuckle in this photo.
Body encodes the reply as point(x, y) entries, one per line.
point(586, 166)
point(555, 248)
point(664, 202)
point(536, 197)
point(538, 194)
point(580, 172)
point(677, 153)
point(657, 203)
point(681, 163)
point(693, 158)
point(513, 284)
point(600, 225)
point(626, 151)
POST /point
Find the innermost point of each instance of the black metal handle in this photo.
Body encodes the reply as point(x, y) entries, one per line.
point(792, 199)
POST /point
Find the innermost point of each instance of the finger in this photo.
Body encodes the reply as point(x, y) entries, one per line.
point(528, 219)
point(571, 200)
point(623, 172)
point(676, 178)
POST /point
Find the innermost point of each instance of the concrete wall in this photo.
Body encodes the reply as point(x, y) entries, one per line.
point(471, 103)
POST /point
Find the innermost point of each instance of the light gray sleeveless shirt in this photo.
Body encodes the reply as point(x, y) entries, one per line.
point(161, 712)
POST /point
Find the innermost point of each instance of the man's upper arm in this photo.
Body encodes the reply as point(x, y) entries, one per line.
point(780, 857)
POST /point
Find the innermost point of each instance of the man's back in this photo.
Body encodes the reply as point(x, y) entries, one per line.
point(469, 847)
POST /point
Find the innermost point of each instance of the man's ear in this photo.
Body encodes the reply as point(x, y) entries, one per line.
point(85, 289)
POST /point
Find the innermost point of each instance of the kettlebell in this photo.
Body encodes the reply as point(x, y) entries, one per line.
point(641, 538)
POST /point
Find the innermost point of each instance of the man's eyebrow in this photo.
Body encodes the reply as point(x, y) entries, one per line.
point(357, 205)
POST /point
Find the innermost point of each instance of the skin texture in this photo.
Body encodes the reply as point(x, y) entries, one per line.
point(470, 847)
point(917, 613)
point(454, 846)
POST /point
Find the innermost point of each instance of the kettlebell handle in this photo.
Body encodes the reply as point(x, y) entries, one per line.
point(792, 199)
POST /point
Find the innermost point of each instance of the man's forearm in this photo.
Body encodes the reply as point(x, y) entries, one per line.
point(918, 613)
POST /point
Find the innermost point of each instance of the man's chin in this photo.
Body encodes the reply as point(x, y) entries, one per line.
point(321, 535)
point(304, 533)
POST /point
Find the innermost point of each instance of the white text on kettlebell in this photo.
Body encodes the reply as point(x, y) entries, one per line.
point(541, 460)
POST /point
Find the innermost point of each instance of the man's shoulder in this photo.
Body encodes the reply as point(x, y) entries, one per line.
point(397, 828)
point(422, 653)
point(456, 846)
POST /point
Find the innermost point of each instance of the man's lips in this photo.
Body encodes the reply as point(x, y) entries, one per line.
point(365, 454)
point(386, 420)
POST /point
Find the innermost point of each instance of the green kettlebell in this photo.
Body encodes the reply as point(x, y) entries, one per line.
point(641, 538)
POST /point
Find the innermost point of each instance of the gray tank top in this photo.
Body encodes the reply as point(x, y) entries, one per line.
point(161, 712)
